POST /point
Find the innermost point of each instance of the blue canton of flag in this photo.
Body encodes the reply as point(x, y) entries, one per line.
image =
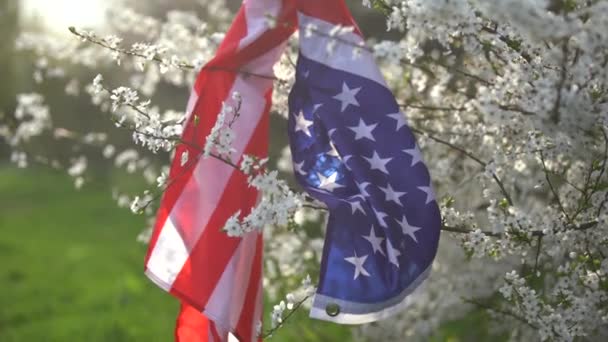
point(353, 150)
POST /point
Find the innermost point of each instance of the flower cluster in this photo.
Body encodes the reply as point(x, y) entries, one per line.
point(150, 128)
point(33, 117)
point(222, 135)
point(276, 206)
point(291, 303)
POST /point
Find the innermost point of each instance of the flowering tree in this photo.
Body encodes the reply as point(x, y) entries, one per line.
point(509, 99)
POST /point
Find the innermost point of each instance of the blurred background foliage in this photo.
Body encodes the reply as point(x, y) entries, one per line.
point(71, 267)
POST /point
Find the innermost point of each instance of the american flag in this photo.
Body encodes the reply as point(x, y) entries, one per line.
point(353, 150)
point(218, 278)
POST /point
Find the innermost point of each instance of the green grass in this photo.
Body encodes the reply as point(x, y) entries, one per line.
point(71, 268)
point(73, 271)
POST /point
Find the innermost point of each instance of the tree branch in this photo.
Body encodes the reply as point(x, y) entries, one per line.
point(471, 156)
point(180, 65)
point(555, 112)
point(271, 331)
point(497, 310)
point(553, 190)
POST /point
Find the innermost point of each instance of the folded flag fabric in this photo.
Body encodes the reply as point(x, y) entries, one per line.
point(188, 255)
point(352, 149)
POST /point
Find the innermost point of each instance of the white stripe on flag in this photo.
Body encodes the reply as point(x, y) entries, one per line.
point(343, 56)
point(259, 303)
point(190, 106)
point(226, 301)
point(168, 257)
point(204, 189)
point(257, 14)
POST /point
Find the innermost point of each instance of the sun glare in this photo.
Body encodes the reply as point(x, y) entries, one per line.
point(58, 15)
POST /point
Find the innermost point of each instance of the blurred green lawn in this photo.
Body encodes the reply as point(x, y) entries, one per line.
point(71, 270)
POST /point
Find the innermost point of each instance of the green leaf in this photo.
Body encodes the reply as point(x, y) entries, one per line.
point(597, 164)
point(449, 201)
point(514, 44)
point(596, 94)
point(569, 5)
point(380, 5)
point(602, 186)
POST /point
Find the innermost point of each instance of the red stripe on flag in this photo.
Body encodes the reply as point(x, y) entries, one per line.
point(212, 90)
point(286, 25)
point(191, 325)
point(214, 249)
point(215, 334)
point(246, 323)
point(213, 86)
point(245, 326)
point(210, 253)
point(206, 108)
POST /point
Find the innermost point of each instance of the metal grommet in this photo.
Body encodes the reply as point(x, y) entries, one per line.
point(332, 309)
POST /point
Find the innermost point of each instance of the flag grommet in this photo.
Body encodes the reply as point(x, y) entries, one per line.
point(332, 309)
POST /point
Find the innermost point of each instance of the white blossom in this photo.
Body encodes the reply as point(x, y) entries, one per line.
point(184, 158)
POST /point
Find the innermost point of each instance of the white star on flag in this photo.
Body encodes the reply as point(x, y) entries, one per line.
point(375, 241)
point(415, 154)
point(333, 152)
point(345, 160)
point(298, 168)
point(347, 96)
point(430, 196)
point(362, 187)
point(329, 183)
point(358, 262)
point(381, 218)
point(302, 124)
point(408, 229)
point(355, 205)
point(393, 253)
point(363, 130)
point(392, 195)
point(315, 107)
point(400, 119)
point(378, 163)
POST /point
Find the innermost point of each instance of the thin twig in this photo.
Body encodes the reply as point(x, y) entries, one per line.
point(603, 167)
point(555, 113)
point(535, 233)
point(271, 331)
point(539, 242)
point(180, 65)
point(425, 107)
point(471, 156)
point(468, 231)
point(553, 190)
point(497, 310)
